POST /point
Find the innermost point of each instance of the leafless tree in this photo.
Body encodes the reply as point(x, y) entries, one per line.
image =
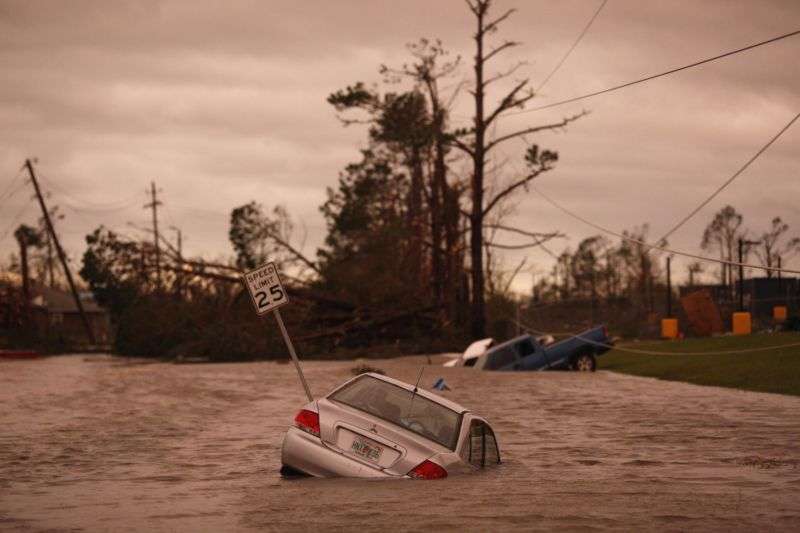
point(478, 145)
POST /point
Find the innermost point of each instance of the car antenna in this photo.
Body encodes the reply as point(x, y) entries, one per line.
point(419, 377)
point(414, 392)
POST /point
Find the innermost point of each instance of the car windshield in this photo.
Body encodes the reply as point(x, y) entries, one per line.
point(396, 405)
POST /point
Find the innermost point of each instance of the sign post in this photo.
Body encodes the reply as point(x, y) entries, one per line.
point(267, 295)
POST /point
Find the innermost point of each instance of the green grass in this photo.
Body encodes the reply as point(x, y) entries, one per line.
point(775, 370)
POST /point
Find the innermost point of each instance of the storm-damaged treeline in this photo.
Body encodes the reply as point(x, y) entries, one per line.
point(413, 227)
point(623, 283)
point(416, 228)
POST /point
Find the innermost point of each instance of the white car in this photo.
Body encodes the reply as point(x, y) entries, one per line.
point(471, 354)
point(378, 427)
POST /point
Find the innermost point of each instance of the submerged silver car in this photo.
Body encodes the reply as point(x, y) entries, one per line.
point(378, 427)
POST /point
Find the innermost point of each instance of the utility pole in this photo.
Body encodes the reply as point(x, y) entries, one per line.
point(154, 203)
point(742, 243)
point(741, 276)
point(22, 240)
point(61, 256)
point(49, 244)
point(179, 275)
point(669, 287)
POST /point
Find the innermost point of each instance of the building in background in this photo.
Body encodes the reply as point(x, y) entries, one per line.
point(55, 317)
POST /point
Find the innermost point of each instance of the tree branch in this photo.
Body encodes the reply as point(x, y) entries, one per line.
point(514, 275)
point(534, 235)
point(514, 246)
point(505, 74)
point(534, 129)
point(493, 25)
point(511, 188)
point(509, 101)
point(299, 256)
point(462, 146)
point(505, 45)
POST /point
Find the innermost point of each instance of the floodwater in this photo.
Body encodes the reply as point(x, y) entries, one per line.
point(99, 443)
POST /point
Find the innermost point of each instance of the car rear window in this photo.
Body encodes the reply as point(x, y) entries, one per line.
point(396, 405)
point(499, 357)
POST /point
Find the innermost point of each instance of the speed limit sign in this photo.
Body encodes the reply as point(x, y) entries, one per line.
point(268, 294)
point(265, 288)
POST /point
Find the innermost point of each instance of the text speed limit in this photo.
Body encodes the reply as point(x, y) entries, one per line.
point(265, 288)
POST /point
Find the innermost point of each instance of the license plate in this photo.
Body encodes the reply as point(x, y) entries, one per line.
point(367, 450)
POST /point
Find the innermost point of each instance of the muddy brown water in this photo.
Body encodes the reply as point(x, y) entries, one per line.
point(102, 444)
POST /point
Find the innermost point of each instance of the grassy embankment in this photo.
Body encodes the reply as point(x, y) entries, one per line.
point(775, 370)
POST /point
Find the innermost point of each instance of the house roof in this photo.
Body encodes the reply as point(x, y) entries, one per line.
point(58, 301)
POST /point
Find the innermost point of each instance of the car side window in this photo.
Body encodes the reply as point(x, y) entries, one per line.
point(481, 447)
point(502, 357)
point(526, 347)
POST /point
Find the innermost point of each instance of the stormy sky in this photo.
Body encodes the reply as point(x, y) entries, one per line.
point(223, 103)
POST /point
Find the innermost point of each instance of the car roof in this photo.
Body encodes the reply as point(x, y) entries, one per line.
point(460, 409)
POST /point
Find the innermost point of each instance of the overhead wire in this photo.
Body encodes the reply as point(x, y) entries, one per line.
point(654, 76)
point(15, 219)
point(10, 191)
point(85, 205)
point(571, 48)
point(730, 180)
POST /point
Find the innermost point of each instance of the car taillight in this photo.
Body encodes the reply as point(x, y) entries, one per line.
point(428, 470)
point(308, 421)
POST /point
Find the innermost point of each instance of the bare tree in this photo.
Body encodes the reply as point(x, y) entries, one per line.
point(771, 251)
point(477, 144)
point(722, 233)
point(694, 268)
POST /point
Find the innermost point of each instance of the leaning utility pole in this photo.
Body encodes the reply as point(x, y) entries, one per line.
point(154, 206)
point(61, 256)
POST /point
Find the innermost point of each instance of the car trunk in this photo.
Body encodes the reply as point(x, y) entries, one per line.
point(371, 440)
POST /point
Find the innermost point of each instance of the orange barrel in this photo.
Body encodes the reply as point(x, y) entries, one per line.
point(742, 325)
point(669, 328)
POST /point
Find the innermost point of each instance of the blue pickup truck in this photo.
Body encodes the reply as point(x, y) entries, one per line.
point(526, 353)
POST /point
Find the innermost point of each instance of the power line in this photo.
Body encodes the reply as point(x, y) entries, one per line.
point(16, 219)
point(729, 180)
point(571, 48)
point(11, 183)
point(648, 78)
point(89, 206)
point(10, 191)
point(654, 246)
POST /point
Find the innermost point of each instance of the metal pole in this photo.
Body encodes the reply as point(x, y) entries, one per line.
point(295, 360)
point(61, 256)
point(669, 287)
point(741, 277)
point(154, 206)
